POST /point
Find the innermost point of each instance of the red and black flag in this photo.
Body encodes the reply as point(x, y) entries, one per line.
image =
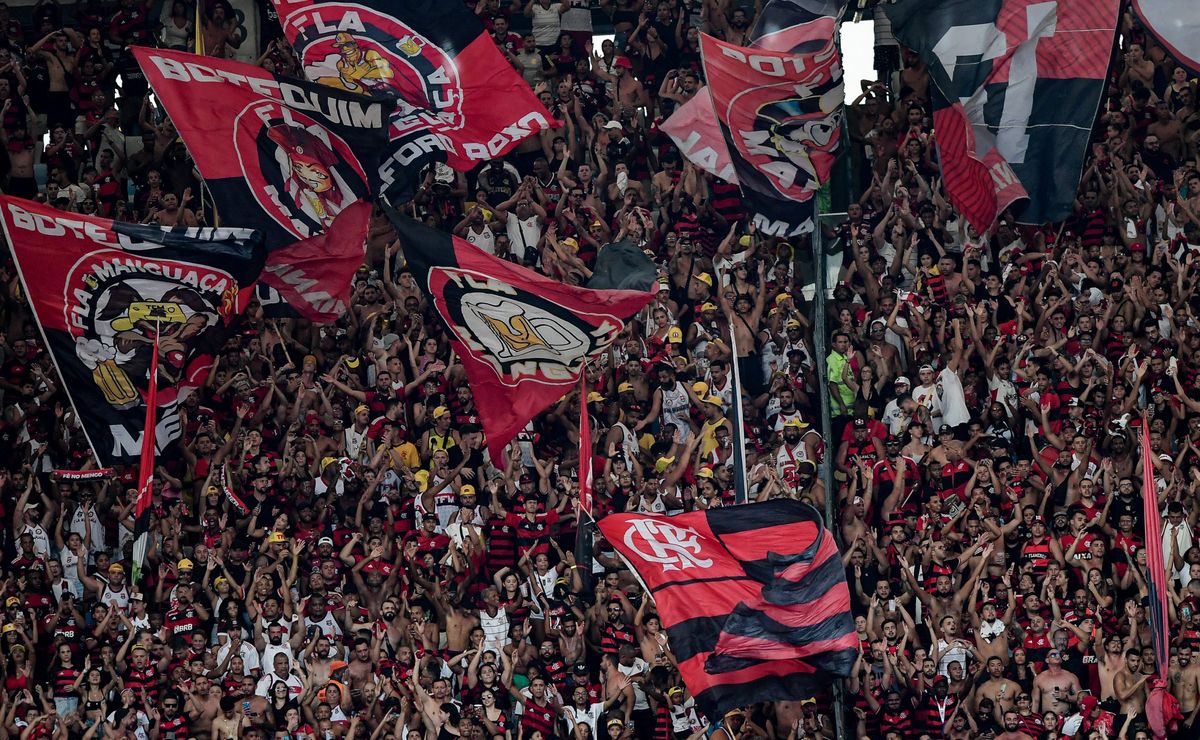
point(800, 26)
point(753, 598)
point(780, 113)
point(464, 99)
point(522, 337)
point(1016, 88)
point(299, 161)
point(105, 294)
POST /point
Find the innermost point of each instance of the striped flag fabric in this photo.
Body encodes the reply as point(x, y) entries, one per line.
point(141, 517)
point(753, 598)
point(1155, 564)
point(1015, 87)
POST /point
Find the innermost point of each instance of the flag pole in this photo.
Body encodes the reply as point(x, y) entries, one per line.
point(584, 528)
point(740, 474)
point(199, 29)
point(141, 517)
point(1156, 569)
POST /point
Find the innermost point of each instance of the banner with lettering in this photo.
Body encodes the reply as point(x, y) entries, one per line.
point(780, 114)
point(461, 93)
point(105, 294)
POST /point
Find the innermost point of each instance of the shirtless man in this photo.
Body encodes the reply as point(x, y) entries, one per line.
point(1109, 664)
point(172, 213)
point(203, 704)
point(1185, 683)
point(1054, 689)
point(20, 147)
point(1129, 686)
point(1002, 691)
point(61, 64)
point(628, 93)
point(361, 668)
point(228, 724)
point(742, 316)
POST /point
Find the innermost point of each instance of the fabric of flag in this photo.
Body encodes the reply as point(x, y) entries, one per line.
point(299, 161)
point(145, 488)
point(585, 448)
point(522, 338)
point(1155, 563)
point(307, 280)
point(464, 101)
point(753, 598)
point(780, 114)
point(801, 26)
point(1175, 24)
point(1016, 85)
point(102, 294)
point(622, 266)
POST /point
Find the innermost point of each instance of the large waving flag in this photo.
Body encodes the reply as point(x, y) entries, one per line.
point(105, 294)
point(464, 101)
point(780, 114)
point(753, 598)
point(1155, 562)
point(522, 337)
point(299, 161)
point(1016, 87)
point(1176, 25)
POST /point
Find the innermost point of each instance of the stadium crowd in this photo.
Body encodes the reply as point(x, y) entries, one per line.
point(386, 581)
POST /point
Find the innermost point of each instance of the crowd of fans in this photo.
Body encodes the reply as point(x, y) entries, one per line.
point(386, 581)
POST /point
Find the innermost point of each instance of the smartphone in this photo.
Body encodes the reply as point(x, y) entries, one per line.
point(246, 708)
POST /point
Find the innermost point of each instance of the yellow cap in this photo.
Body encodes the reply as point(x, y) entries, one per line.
point(594, 397)
point(625, 388)
point(704, 473)
point(782, 297)
point(708, 306)
point(466, 490)
point(12, 601)
point(794, 422)
point(440, 411)
point(571, 242)
point(790, 323)
point(326, 462)
point(700, 387)
point(276, 537)
point(744, 240)
point(704, 277)
point(9, 627)
point(422, 479)
point(361, 408)
point(184, 564)
point(715, 401)
point(674, 335)
point(663, 463)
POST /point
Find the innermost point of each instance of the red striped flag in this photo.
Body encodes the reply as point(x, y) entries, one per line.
point(141, 517)
point(585, 448)
point(1157, 580)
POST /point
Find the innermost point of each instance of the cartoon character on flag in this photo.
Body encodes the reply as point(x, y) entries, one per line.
point(359, 70)
point(310, 180)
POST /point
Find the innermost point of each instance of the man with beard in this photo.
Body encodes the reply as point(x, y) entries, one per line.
point(801, 443)
point(1185, 682)
point(1012, 728)
point(670, 404)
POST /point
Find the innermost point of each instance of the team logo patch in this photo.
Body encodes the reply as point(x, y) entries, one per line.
point(301, 173)
point(519, 335)
point(361, 50)
point(674, 548)
point(114, 313)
